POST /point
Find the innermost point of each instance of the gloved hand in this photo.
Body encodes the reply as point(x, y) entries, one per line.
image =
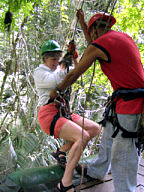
point(72, 49)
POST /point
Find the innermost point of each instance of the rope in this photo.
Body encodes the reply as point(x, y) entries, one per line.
point(106, 10)
point(72, 23)
point(82, 176)
point(110, 15)
point(85, 102)
point(108, 5)
point(77, 22)
point(83, 112)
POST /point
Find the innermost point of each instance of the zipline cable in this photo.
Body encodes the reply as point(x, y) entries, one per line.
point(72, 22)
point(83, 112)
point(87, 94)
point(77, 22)
point(110, 14)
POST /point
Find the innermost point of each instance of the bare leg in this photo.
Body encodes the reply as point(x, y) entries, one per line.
point(72, 132)
point(90, 126)
point(66, 147)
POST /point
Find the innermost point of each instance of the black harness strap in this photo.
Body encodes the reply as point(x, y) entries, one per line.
point(62, 104)
point(125, 133)
point(56, 117)
point(127, 95)
point(49, 101)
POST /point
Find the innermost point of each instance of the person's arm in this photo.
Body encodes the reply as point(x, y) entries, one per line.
point(81, 20)
point(76, 61)
point(90, 55)
point(46, 79)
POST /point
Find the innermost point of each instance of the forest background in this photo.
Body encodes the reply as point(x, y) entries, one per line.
point(22, 143)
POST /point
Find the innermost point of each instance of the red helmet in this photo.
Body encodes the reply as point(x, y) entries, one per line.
point(102, 15)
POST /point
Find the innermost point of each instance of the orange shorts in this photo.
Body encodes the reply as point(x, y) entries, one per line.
point(46, 115)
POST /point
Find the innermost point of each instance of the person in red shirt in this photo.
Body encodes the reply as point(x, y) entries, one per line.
point(120, 61)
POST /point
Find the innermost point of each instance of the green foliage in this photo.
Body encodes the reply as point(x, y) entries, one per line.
point(130, 16)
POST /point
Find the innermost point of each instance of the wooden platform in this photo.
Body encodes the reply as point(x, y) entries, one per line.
point(46, 179)
point(107, 185)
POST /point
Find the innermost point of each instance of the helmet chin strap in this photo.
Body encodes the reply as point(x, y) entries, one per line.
point(96, 32)
point(101, 32)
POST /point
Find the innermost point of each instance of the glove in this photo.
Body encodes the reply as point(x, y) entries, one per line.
point(72, 50)
point(71, 46)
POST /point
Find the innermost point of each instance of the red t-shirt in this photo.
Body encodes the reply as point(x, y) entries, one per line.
point(124, 67)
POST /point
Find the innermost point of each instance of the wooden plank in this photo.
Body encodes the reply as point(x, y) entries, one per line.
point(103, 187)
point(107, 185)
point(108, 177)
point(140, 179)
point(141, 167)
point(141, 171)
point(141, 162)
point(89, 183)
point(140, 189)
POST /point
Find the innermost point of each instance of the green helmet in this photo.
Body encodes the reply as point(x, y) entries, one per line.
point(50, 46)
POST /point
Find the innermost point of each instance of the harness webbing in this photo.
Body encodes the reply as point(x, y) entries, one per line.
point(63, 110)
point(129, 94)
point(110, 114)
point(56, 117)
point(125, 133)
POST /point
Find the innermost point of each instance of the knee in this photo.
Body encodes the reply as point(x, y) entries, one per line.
point(97, 129)
point(86, 138)
point(94, 130)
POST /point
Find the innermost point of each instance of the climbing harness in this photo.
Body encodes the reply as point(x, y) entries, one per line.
point(83, 112)
point(62, 101)
point(62, 104)
point(111, 116)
